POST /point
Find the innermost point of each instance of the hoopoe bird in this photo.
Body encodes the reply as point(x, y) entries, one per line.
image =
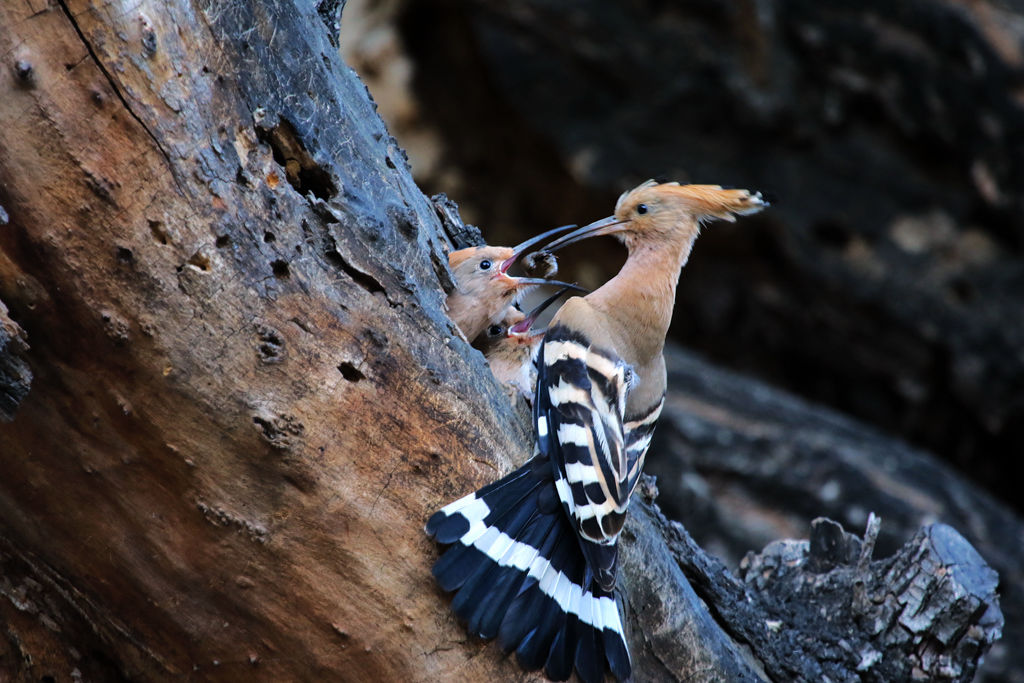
point(532, 557)
point(510, 347)
point(483, 287)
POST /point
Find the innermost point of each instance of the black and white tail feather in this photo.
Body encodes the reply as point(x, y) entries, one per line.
point(532, 556)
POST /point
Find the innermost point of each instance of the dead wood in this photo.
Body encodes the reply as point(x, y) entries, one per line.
point(247, 397)
point(15, 374)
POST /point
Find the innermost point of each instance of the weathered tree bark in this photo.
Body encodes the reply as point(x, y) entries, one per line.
point(247, 397)
point(244, 405)
point(15, 374)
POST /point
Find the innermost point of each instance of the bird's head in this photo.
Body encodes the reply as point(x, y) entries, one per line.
point(666, 212)
point(514, 328)
point(498, 339)
point(480, 265)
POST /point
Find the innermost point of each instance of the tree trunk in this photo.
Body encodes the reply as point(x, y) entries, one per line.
point(245, 405)
point(247, 397)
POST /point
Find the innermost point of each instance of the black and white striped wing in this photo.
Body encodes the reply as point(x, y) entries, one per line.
point(639, 430)
point(532, 557)
point(579, 410)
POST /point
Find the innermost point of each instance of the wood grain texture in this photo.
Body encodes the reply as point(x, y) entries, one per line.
point(245, 405)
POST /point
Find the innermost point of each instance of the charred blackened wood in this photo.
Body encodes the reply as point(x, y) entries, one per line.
point(15, 373)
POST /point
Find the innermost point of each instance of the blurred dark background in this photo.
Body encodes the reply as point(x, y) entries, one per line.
point(887, 280)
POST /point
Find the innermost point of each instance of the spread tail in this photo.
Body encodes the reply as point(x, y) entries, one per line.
point(518, 574)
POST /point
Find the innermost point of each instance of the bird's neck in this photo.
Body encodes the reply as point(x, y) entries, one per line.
point(641, 297)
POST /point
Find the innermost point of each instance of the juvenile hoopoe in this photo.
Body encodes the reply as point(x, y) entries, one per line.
point(483, 287)
point(510, 347)
point(533, 555)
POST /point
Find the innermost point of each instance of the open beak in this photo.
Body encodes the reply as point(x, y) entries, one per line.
point(521, 249)
point(604, 226)
point(523, 326)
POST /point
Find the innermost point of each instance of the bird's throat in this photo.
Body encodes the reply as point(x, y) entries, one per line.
point(641, 297)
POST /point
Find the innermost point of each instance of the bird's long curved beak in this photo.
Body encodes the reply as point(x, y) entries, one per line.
point(604, 226)
point(520, 249)
point(523, 326)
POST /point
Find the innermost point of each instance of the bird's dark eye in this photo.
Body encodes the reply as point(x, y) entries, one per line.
point(494, 330)
point(641, 209)
point(485, 265)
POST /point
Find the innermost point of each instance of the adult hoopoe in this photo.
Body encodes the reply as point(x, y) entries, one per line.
point(510, 347)
point(484, 289)
point(533, 556)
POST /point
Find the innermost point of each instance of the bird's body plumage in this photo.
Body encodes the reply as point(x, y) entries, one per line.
point(581, 423)
point(600, 388)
